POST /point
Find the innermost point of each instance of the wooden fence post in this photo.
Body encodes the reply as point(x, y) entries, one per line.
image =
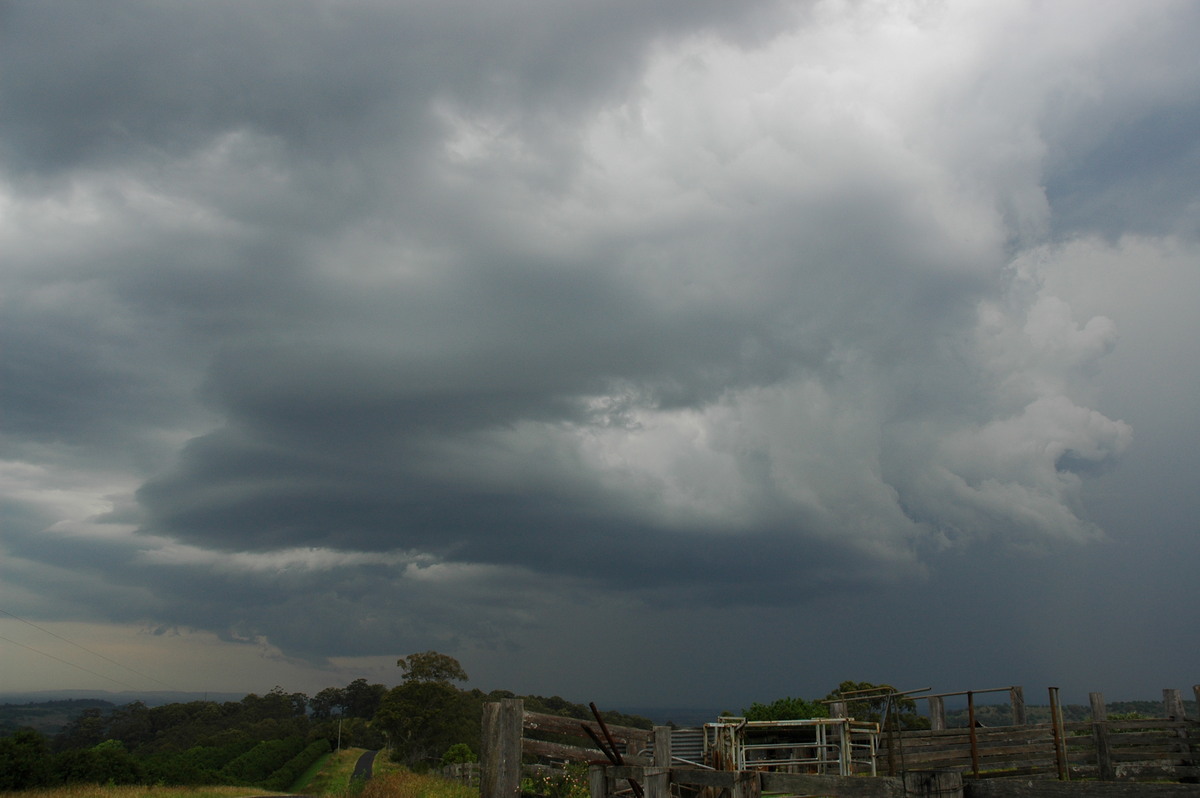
point(937, 713)
point(500, 762)
point(662, 746)
point(656, 782)
point(1016, 697)
point(1173, 704)
point(1060, 744)
point(597, 781)
point(1100, 735)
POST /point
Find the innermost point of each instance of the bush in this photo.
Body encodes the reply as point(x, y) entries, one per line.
point(459, 753)
point(106, 763)
point(24, 761)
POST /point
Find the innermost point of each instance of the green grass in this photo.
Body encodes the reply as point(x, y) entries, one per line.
point(331, 774)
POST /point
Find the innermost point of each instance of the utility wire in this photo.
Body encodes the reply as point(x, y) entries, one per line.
point(66, 662)
point(83, 648)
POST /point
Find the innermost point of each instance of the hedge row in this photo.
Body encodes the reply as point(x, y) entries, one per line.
point(286, 776)
point(257, 764)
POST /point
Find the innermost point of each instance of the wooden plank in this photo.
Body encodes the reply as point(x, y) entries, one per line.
point(557, 724)
point(946, 783)
point(573, 753)
point(1047, 788)
point(842, 786)
point(720, 779)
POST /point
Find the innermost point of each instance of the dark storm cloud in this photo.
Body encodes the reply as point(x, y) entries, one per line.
point(90, 84)
point(359, 326)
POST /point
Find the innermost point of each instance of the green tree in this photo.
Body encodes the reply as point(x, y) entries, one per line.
point(324, 703)
point(431, 666)
point(427, 714)
point(360, 699)
point(786, 709)
point(867, 701)
point(423, 719)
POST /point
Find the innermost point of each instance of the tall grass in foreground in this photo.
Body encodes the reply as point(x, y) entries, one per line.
point(404, 784)
point(387, 783)
point(138, 791)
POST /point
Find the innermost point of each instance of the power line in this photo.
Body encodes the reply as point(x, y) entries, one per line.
point(82, 648)
point(66, 662)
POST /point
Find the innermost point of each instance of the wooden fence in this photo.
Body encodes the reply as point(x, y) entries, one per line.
point(466, 773)
point(1041, 759)
point(1165, 748)
point(509, 733)
point(660, 782)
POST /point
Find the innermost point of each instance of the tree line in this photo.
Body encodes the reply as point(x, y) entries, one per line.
point(269, 739)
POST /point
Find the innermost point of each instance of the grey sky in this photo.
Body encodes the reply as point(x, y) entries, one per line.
point(687, 352)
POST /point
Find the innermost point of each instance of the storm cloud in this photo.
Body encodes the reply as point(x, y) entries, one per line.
point(360, 328)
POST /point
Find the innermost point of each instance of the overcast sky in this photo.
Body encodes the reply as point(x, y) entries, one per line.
point(673, 353)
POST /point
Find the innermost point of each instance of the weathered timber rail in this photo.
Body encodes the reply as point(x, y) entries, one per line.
point(1145, 749)
point(661, 782)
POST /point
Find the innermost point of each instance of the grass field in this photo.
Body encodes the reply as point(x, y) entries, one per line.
point(330, 775)
point(100, 791)
point(329, 778)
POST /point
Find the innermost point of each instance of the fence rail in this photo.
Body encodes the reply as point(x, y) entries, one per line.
point(1166, 748)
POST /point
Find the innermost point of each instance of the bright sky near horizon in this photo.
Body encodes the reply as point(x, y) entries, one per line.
point(675, 353)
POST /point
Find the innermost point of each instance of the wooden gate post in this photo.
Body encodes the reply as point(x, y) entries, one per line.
point(1100, 735)
point(500, 762)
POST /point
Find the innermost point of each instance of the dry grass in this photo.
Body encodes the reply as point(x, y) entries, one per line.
point(403, 784)
point(99, 791)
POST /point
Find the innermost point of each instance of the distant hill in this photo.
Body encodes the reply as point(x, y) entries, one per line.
point(151, 698)
point(683, 717)
point(49, 711)
point(47, 717)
